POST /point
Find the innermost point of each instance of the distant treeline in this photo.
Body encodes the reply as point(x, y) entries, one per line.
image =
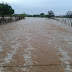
point(49, 15)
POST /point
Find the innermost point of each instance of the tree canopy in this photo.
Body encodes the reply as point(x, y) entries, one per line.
point(69, 14)
point(6, 9)
point(50, 14)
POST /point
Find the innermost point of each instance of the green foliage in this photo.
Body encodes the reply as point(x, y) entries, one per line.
point(42, 15)
point(27, 15)
point(6, 9)
point(69, 14)
point(39, 15)
point(50, 14)
point(20, 16)
point(36, 15)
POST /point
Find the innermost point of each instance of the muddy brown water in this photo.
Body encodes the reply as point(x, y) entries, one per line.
point(35, 45)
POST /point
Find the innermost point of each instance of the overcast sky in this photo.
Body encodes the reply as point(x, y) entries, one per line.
point(37, 6)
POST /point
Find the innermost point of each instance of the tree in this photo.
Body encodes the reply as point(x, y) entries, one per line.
point(5, 9)
point(69, 14)
point(50, 14)
point(42, 15)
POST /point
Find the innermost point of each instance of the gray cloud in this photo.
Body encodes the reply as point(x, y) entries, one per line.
point(38, 6)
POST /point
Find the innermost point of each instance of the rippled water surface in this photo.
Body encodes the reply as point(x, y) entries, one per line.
point(35, 45)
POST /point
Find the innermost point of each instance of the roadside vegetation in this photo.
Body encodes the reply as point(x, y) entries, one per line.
point(6, 9)
point(7, 14)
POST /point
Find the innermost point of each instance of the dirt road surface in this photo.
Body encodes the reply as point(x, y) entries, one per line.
point(35, 45)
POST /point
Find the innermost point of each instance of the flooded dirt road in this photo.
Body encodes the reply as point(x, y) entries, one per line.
point(35, 45)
